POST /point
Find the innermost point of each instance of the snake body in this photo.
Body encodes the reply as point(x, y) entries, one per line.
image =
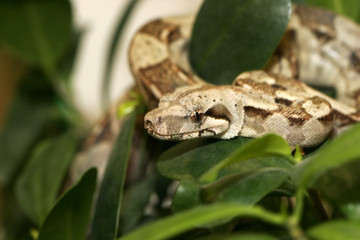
point(318, 47)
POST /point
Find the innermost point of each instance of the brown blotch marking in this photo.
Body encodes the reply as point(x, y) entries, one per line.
point(259, 86)
point(356, 96)
point(296, 121)
point(322, 36)
point(319, 100)
point(327, 119)
point(256, 112)
point(165, 76)
point(355, 60)
point(316, 18)
point(283, 101)
point(277, 86)
point(342, 120)
point(286, 49)
point(157, 27)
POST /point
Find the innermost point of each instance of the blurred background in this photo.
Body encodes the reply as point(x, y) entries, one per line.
point(99, 19)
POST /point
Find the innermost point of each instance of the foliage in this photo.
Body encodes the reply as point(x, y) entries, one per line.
point(238, 189)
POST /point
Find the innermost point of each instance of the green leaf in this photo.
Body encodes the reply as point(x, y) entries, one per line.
point(341, 150)
point(340, 185)
point(233, 36)
point(40, 182)
point(18, 135)
point(249, 189)
point(108, 204)
point(187, 196)
point(170, 226)
point(350, 9)
point(247, 236)
point(69, 218)
point(38, 31)
point(335, 230)
point(268, 145)
point(134, 202)
point(352, 211)
point(189, 160)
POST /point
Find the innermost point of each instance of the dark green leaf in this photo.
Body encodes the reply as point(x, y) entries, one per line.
point(107, 210)
point(268, 145)
point(40, 182)
point(341, 184)
point(196, 217)
point(189, 160)
point(69, 218)
point(187, 196)
point(247, 190)
point(336, 230)
point(135, 200)
point(36, 30)
point(341, 150)
point(350, 9)
point(21, 131)
point(233, 36)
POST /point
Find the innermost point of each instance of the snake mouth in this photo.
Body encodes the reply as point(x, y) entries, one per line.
point(182, 136)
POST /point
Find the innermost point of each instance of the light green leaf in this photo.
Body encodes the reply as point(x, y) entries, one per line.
point(171, 226)
point(341, 150)
point(69, 218)
point(40, 182)
point(269, 145)
point(233, 36)
point(336, 230)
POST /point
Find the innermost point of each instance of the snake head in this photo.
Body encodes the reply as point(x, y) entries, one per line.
point(191, 112)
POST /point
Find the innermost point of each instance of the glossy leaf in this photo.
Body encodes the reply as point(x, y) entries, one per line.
point(340, 185)
point(341, 150)
point(269, 145)
point(40, 182)
point(189, 160)
point(108, 204)
point(17, 136)
point(134, 202)
point(335, 230)
point(247, 190)
point(187, 196)
point(233, 36)
point(170, 226)
point(69, 218)
point(38, 31)
point(350, 9)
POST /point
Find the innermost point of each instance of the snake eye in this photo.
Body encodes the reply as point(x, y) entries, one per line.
point(196, 116)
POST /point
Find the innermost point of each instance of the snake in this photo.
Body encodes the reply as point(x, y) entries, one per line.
point(319, 47)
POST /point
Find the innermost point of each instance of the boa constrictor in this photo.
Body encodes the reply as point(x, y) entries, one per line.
point(319, 47)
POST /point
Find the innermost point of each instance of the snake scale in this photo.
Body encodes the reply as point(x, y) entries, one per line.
point(318, 47)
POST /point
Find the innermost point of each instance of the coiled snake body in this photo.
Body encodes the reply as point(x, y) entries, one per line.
point(318, 47)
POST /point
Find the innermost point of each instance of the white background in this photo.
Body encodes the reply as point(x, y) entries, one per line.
point(99, 19)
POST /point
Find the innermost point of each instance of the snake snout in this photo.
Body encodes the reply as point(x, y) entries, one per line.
point(148, 125)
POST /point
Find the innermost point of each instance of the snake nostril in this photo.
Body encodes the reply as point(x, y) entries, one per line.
point(148, 124)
